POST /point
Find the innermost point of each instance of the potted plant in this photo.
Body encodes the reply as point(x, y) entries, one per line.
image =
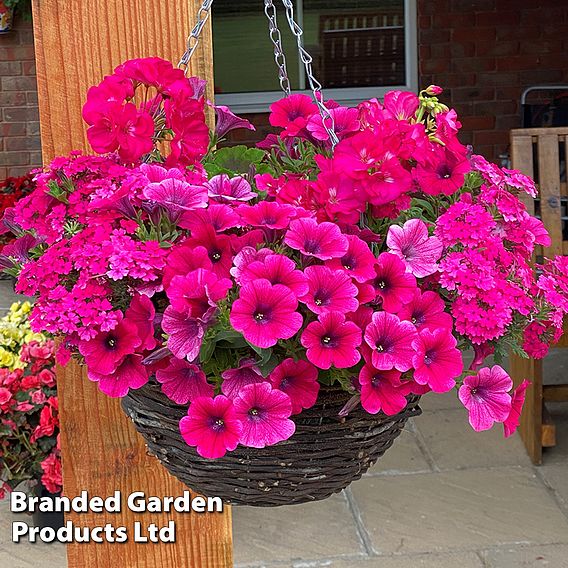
point(272, 315)
point(7, 10)
point(29, 423)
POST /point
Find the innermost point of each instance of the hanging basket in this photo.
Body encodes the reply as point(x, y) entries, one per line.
point(323, 457)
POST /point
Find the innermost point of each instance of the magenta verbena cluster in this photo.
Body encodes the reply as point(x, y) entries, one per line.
point(243, 279)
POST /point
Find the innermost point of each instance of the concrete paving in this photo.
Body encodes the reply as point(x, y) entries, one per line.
point(442, 497)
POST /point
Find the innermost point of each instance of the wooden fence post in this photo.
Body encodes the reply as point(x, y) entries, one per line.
point(76, 44)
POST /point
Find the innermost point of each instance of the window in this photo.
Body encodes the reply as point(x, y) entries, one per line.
point(361, 48)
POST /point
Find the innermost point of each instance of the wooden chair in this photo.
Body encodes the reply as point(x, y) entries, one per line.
point(541, 153)
point(362, 49)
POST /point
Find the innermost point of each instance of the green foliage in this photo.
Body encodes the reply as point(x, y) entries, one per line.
point(235, 160)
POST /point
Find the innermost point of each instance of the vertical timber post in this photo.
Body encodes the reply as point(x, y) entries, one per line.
point(77, 43)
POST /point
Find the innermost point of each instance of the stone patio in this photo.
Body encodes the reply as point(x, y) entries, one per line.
point(442, 497)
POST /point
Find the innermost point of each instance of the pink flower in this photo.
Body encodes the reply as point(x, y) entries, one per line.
point(234, 380)
point(401, 105)
point(141, 312)
point(277, 269)
point(445, 172)
point(244, 258)
point(390, 341)
point(227, 121)
point(426, 310)
point(265, 415)
point(292, 113)
point(185, 333)
point(411, 243)
point(345, 121)
point(197, 292)
point(104, 353)
point(486, 397)
point(219, 249)
point(265, 313)
point(222, 188)
point(512, 421)
point(130, 374)
point(220, 216)
point(268, 214)
point(212, 426)
point(329, 290)
point(332, 341)
point(183, 382)
point(434, 90)
point(437, 360)
point(392, 283)
point(299, 380)
point(323, 240)
point(382, 390)
point(184, 259)
point(176, 196)
point(358, 261)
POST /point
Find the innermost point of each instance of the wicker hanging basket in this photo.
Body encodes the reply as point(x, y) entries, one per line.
point(323, 457)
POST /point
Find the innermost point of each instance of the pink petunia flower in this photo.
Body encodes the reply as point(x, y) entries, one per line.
point(426, 310)
point(292, 113)
point(227, 121)
point(390, 340)
point(486, 397)
point(329, 290)
point(218, 215)
point(392, 283)
point(185, 333)
point(219, 249)
point(130, 374)
point(212, 426)
point(437, 361)
point(183, 382)
point(176, 196)
point(268, 214)
point(234, 380)
point(184, 259)
point(411, 243)
point(265, 415)
point(142, 313)
point(382, 390)
point(224, 189)
point(358, 261)
point(265, 313)
point(197, 292)
point(299, 380)
point(277, 269)
point(345, 121)
point(246, 256)
point(323, 240)
point(104, 353)
point(332, 341)
point(512, 421)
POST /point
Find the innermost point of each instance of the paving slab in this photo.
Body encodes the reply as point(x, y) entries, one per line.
point(550, 556)
point(453, 444)
point(457, 560)
point(556, 476)
point(294, 533)
point(405, 456)
point(440, 401)
point(458, 510)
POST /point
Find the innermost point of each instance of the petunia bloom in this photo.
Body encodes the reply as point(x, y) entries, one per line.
point(511, 423)
point(185, 333)
point(332, 341)
point(358, 261)
point(392, 283)
point(227, 121)
point(426, 310)
point(329, 290)
point(486, 397)
point(142, 313)
point(224, 189)
point(176, 196)
point(292, 113)
point(382, 390)
point(322, 240)
point(390, 340)
point(437, 361)
point(265, 313)
point(212, 426)
point(130, 374)
point(269, 214)
point(183, 382)
point(411, 243)
point(264, 413)
point(299, 380)
point(234, 380)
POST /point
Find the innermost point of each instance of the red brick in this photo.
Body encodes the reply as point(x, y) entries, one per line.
point(462, 49)
point(22, 53)
point(433, 6)
point(31, 98)
point(29, 67)
point(22, 143)
point(475, 34)
point(473, 93)
point(12, 129)
point(497, 18)
point(497, 79)
point(431, 36)
point(498, 48)
point(13, 98)
point(494, 108)
point(441, 51)
point(10, 68)
point(472, 5)
point(21, 114)
point(494, 137)
point(19, 83)
point(478, 122)
point(522, 33)
point(540, 75)
point(14, 158)
point(449, 80)
point(424, 22)
point(474, 64)
point(434, 65)
point(508, 122)
point(450, 20)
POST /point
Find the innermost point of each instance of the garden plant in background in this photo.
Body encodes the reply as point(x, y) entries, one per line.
point(12, 189)
point(247, 282)
point(29, 423)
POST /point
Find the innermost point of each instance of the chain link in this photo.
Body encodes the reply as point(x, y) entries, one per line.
point(315, 85)
point(276, 38)
point(193, 39)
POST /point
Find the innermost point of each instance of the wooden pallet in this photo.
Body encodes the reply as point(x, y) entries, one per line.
point(541, 153)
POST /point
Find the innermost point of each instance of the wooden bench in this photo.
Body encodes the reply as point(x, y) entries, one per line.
point(541, 153)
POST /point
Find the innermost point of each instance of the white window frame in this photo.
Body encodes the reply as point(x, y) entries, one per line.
point(258, 102)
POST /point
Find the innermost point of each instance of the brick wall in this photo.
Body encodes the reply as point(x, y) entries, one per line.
point(20, 148)
point(485, 53)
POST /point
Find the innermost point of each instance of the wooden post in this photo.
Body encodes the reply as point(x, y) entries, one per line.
point(77, 43)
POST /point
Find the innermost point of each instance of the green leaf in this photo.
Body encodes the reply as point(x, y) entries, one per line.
point(234, 160)
point(265, 354)
point(207, 350)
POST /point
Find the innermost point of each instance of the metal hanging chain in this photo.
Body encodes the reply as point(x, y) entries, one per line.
point(193, 39)
point(315, 85)
point(276, 38)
